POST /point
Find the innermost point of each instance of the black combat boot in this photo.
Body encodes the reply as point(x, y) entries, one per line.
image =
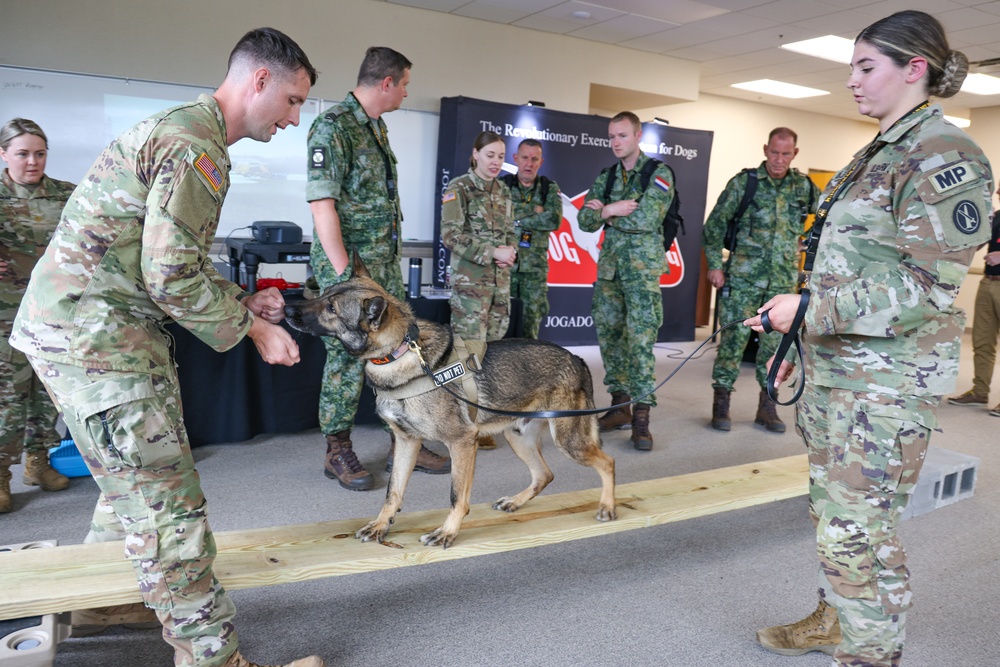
point(642, 439)
point(767, 415)
point(342, 463)
point(720, 410)
point(616, 418)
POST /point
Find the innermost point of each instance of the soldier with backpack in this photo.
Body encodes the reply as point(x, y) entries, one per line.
point(627, 306)
point(759, 218)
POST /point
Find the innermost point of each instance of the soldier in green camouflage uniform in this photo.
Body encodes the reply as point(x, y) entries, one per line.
point(534, 217)
point(130, 253)
point(30, 204)
point(882, 333)
point(353, 193)
point(765, 263)
point(476, 226)
point(628, 306)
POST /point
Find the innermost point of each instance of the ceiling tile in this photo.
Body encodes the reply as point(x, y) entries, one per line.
point(674, 11)
point(489, 12)
point(673, 39)
point(791, 11)
point(734, 24)
point(436, 5)
point(961, 19)
point(622, 28)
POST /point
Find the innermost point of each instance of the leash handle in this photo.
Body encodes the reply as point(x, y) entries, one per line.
point(786, 342)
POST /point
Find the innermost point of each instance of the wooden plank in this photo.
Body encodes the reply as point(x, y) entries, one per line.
point(41, 581)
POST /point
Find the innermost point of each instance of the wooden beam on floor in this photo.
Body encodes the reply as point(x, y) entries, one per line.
point(43, 581)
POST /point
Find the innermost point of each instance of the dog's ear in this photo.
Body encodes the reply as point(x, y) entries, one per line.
point(358, 267)
point(375, 310)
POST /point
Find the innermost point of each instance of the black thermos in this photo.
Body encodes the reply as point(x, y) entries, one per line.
point(413, 288)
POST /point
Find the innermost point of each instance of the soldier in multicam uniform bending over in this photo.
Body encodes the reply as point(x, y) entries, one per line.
point(899, 227)
point(765, 262)
point(132, 252)
point(537, 211)
point(353, 193)
point(628, 306)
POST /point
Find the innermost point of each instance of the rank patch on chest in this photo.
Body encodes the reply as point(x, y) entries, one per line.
point(966, 217)
point(449, 373)
point(317, 158)
point(208, 169)
point(952, 177)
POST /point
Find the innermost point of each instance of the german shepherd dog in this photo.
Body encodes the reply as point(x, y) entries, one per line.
point(515, 375)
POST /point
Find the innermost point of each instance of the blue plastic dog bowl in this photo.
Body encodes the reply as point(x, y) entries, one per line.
point(66, 459)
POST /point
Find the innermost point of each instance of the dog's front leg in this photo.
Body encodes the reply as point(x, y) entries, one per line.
point(463, 463)
point(403, 461)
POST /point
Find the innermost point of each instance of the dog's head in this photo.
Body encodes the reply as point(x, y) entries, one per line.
point(358, 312)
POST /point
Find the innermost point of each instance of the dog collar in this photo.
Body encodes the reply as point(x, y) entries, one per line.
point(412, 333)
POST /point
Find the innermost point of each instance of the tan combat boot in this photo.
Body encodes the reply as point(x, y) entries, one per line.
point(135, 616)
point(616, 418)
point(38, 472)
point(767, 414)
point(642, 439)
point(5, 502)
point(820, 631)
point(342, 463)
point(720, 410)
point(237, 660)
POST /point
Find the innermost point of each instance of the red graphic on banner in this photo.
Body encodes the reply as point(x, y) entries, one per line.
point(573, 253)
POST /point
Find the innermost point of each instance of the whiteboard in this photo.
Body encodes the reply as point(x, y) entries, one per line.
point(82, 114)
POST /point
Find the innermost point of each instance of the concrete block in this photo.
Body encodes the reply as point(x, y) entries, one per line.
point(31, 642)
point(946, 478)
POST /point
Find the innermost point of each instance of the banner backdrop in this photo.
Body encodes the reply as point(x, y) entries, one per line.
point(576, 148)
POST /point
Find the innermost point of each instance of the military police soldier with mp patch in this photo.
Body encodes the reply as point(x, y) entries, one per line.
point(628, 306)
point(763, 262)
point(881, 333)
point(537, 212)
point(352, 189)
point(131, 252)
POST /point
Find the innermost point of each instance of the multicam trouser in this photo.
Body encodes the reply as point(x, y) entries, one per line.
point(129, 428)
point(27, 416)
point(742, 301)
point(865, 454)
point(343, 374)
point(532, 290)
point(480, 312)
point(627, 316)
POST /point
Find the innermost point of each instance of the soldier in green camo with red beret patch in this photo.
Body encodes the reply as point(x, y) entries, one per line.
point(131, 252)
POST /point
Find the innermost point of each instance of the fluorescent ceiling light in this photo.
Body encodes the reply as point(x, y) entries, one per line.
point(981, 84)
point(829, 47)
point(779, 88)
point(958, 122)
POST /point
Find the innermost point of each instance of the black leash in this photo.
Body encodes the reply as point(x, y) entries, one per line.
point(787, 340)
point(548, 414)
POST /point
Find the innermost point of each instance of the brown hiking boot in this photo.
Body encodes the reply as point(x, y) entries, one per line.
point(237, 660)
point(767, 414)
point(342, 463)
point(5, 502)
point(820, 631)
point(720, 410)
point(616, 418)
point(135, 616)
point(968, 398)
point(427, 461)
point(485, 442)
point(38, 472)
point(642, 439)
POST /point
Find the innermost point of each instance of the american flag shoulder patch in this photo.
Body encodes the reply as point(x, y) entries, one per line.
point(448, 196)
point(205, 165)
point(662, 183)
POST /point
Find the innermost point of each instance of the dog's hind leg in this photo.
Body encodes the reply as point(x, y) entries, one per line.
point(404, 460)
point(463, 463)
point(579, 438)
point(527, 444)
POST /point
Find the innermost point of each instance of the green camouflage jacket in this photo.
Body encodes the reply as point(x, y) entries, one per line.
point(535, 258)
point(347, 163)
point(633, 242)
point(892, 256)
point(475, 219)
point(767, 237)
point(27, 220)
point(132, 251)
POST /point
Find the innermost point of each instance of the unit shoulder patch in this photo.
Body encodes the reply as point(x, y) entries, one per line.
point(966, 217)
point(953, 176)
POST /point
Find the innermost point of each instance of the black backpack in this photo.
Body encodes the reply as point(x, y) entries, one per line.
point(511, 181)
point(672, 221)
point(748, 193)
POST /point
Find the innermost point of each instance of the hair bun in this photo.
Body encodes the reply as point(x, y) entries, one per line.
point(953, 76)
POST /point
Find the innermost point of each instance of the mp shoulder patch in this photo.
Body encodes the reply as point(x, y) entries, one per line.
point(966, 217)
point(953, 176)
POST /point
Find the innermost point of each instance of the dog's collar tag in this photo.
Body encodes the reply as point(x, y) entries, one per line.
point(449, 373)
point(395, 354)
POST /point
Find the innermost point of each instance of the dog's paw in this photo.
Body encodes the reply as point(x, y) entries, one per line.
point(606, 514)
point(373, 531)
point(506, 504)
point(437, 538)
